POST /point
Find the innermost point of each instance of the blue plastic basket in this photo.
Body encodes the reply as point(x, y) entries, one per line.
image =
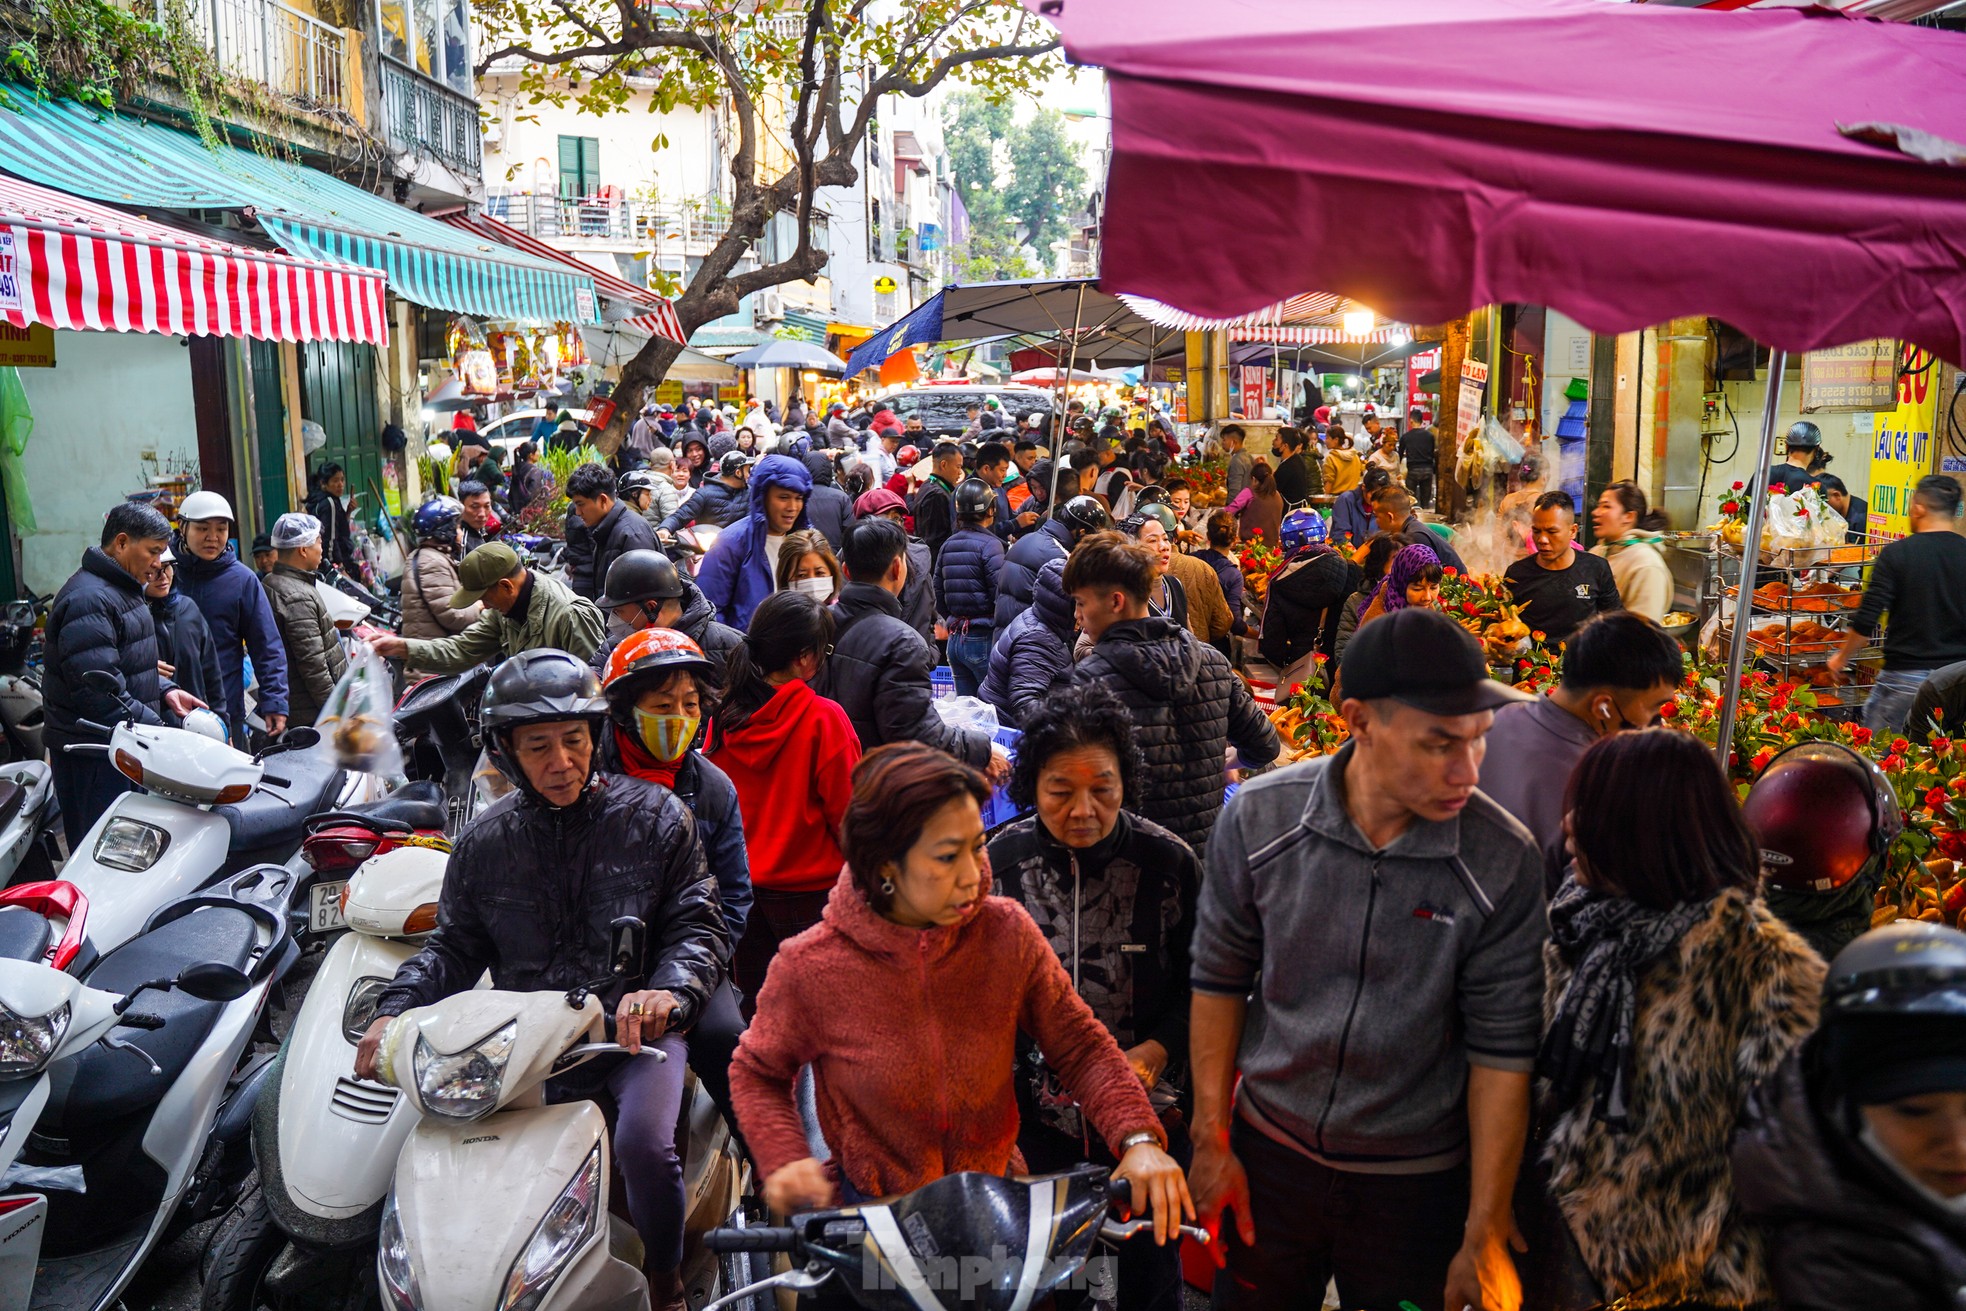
point(942, 683)
point(999, 809)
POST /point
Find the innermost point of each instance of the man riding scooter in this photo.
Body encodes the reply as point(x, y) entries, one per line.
point(530, 893)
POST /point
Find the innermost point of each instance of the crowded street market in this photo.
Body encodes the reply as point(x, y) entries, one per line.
point(1111, 654)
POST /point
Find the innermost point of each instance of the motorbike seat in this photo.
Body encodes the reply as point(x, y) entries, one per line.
point(12, 797)
point(100, 1083)
point(275, 815)
point(24, 935)
point(420, 804)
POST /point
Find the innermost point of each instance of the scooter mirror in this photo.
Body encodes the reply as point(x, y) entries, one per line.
point(213, 981)
point(626, 939)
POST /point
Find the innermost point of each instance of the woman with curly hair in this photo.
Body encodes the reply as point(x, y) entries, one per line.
point(1114, 894)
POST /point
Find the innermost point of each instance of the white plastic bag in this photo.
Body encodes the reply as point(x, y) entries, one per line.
point(967, 712)
point(358, 724)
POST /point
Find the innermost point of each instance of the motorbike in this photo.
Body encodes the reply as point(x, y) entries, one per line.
point(473, 1067)
point(125, 1093)
point(21, 715)
point(968, 1240)
point(29, 817)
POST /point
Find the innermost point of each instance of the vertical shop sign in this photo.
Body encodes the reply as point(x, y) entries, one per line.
point(1901, 444)
point(1255, 386)
point(1474, 385)
point(13, 276)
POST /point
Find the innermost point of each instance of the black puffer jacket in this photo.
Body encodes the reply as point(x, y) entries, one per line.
point(576, 557)
point(918, 593)
point(99, 620)
point(1188, 707)
point(698, 623)
point(829, 508)
point(1305, 603)
point(621, 529)
point(1030, 553)
point(185, 640)
point(966, 575)
point(1036, 654)
point(879, 673)
point(530, 891)
point(716, 501)
point(1840, 1228)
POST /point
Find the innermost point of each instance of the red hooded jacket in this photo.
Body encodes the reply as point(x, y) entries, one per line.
point(911, 1034)
point(791, 835)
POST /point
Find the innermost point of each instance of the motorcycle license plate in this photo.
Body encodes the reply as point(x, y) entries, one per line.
point(324, 907)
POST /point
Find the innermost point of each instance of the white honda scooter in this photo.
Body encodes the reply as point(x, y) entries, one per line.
point(474, 1066)
point(325, 1143)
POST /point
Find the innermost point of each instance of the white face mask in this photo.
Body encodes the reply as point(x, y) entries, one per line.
point(822, 588)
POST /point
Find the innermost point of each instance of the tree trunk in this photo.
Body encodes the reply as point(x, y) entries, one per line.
point(1449, 499)
point(648, 367)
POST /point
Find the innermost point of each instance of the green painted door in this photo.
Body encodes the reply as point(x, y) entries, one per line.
point(337, 383)
point(269, 430)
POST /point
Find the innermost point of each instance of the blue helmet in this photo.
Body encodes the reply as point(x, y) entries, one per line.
point(1301, 528)
point(436, 519)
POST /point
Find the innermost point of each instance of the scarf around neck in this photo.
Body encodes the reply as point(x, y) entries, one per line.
point(1636, 537)
point(1606, 941)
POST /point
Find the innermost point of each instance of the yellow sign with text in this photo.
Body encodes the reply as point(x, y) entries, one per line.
point(32, 347)
point(1901, 444)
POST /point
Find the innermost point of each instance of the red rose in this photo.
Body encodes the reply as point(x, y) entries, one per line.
point(1739, 485)
point(1861, 736)
point(1936, 798)
point(1899, 746)
point(1732, 507)
point(1468, 607)
point(1791, 721)
point(1450, 572)
point(1892, 764)
point(1761, 759)
point(1941, 744)
point(1671, 711)
point(1296, 689)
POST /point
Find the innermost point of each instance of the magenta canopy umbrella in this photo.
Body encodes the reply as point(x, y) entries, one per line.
point(1623, 163)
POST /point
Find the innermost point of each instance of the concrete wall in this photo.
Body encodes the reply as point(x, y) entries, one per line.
point(112, 397)
point(529, 151)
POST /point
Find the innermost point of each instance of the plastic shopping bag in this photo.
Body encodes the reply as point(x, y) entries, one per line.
point(358, 724)
point(967, 712)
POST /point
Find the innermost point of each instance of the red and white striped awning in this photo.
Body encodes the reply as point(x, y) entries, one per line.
point(1896, 11)
point(1314, 319)
point(71, 263)
point(659, 316)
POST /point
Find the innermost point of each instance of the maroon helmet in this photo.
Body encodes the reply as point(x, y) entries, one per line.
point(1821, 814)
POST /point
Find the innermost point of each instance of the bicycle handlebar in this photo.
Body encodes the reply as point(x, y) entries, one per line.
point(750, 1240)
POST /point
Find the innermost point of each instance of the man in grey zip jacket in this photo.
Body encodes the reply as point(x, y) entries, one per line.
point(1379, 924)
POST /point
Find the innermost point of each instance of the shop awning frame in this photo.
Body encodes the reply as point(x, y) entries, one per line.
point(130, 162)
point(78, 265)
point(649, 313)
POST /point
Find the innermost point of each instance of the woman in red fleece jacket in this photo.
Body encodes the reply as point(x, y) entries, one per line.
point(791, 754)
point(906, 1001)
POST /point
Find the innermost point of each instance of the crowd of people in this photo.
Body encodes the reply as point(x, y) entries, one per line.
point(1498, 1005)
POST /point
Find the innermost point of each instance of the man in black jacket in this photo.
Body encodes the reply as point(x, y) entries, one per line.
point(615, 526)
point(723, 499)
point(879, 669)
point(935, 503)
point(100, 623)
point(1298, 477)
point(646, 590)
point(1419, 449)
point(1188, 705)
point(530, 894)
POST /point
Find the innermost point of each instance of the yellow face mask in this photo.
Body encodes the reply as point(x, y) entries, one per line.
point(667, 737)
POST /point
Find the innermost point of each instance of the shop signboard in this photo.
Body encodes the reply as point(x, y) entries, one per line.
point(669, 392)
point(13, 273)
point(729, 394)
point(1901, 445)
point(32, 347)
point(1858, 378)
point(1255, 385)
point(1474, 385)
point(1418, 366)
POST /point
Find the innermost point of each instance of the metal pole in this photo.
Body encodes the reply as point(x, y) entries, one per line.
point(1737, 648)
point(1058, 455)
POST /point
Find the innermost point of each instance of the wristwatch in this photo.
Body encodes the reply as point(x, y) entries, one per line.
point(1133, 1140)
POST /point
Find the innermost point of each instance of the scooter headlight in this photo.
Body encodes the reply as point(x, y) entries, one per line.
point(28, 1042)
point(131, 845)
point(567, 1226)
point(464, 1085)
point(393, 1267)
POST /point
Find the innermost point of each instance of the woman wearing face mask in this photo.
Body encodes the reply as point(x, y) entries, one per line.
point(658, 688)
point(1853, 1162)
point(1167, 597)
point(806, 564)
point(790, 752)
point(907, 1003)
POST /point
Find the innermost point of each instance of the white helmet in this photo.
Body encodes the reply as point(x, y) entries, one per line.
point(203, 505)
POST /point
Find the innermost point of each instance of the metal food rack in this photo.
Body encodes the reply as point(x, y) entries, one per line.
point(1798, 613)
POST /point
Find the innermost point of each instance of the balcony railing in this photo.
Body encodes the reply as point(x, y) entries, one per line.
point(423, 114)
point(294, 54)
point(611, 216)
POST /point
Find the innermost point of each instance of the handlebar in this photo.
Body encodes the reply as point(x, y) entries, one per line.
point(751, 1240)
point(133, 1020)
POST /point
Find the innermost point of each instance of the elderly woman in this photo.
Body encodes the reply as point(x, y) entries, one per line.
point(907, 1001)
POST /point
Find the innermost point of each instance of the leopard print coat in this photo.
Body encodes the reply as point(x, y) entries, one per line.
point(1653, 1209)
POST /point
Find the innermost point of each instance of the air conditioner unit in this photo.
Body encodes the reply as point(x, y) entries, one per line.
point(771, 305)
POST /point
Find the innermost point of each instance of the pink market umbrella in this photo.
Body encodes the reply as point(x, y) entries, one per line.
point(1784, 170)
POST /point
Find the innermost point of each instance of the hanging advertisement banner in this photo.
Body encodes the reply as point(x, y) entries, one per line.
point(13, 273)
point(1901, 444)
point(1474, 385)
point(1255, 388)
point(1859, 378)
point(32, 347)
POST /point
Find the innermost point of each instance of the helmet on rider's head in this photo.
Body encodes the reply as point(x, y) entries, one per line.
point(1803, 433)
point(1161, 512)
point(907, 456)
point(436, 519)
point(733, 462)
point(975, 500)
point(542, 686)
point(1151, 494)
point(1301, 528)
point(1893, 1016)
point(639, 480)
point(200, 506)
point(644, 659)
point(1084, 514)
point(1822, 815)
point(641, 576)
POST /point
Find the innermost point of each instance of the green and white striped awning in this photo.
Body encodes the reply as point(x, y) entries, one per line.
point(138, 164)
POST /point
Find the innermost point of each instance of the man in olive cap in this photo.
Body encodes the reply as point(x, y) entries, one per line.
point(523, 611)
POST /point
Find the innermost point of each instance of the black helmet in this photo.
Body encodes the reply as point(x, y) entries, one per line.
point(1894, 1015)
point(1803, 433)
point(733, 462)
point(541, 686)
point(975, 500)
point(638, 480)
point(1151, 494)
point(1084, 514)
point(641, 576)
point(1822, 815)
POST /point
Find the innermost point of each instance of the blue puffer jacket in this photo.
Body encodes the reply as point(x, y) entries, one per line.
point(233, 601)
point(736, 574)
point(966, 575)
point(1034, 654)
point(1053, 541)
point(716, 501)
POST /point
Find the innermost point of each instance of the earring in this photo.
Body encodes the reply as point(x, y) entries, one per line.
point(887, 887)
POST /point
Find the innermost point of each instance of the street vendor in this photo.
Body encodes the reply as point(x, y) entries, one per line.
point(1559, 587)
